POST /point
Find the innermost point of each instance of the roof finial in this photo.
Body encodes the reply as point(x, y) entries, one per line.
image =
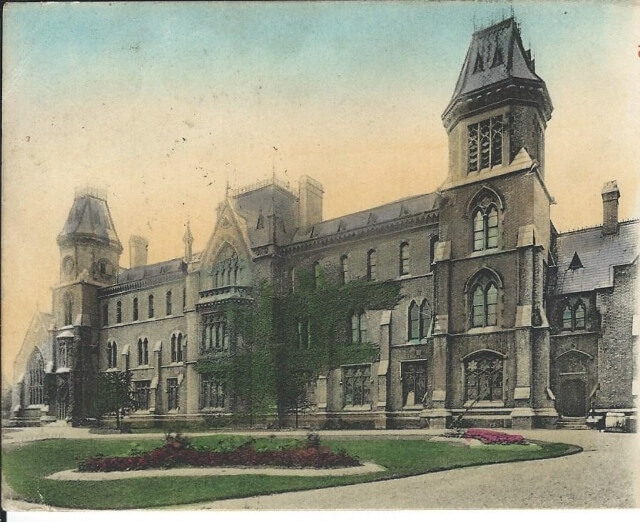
point(227, 188)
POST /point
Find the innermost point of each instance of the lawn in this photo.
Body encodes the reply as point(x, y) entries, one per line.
point(26, 467)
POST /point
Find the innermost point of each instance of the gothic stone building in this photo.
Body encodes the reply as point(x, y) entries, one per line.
point(498, 312)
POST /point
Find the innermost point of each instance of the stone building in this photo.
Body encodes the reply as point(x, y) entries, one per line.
point(497, 315)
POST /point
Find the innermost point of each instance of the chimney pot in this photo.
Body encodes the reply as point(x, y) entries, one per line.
point(610, 196)
point(138, 248)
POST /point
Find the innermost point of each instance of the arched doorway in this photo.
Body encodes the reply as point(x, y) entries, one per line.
point(573, 376)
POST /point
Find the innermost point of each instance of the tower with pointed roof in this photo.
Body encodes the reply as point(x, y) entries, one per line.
point(89, 260)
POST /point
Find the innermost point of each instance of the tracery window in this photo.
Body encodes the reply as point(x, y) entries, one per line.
point(143, 351)
point(212, 393)
point(567, 318)
point(484, 305)
point(142, 391)
point(485, 228)
point(358, 324)
point(356, 384)
point(404, 259)
point(112, 355)
point(344, 270)
point(580, 316)
point(215, 333)
point(35, 374)
point(176, 347)
point(414, 382)
point(227, 271)
point(372, 268)
point(484, 377)
point(485, 143)
point(172, 394)
point(62, 355)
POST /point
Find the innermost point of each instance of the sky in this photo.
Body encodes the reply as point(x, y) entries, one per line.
point(160, 104)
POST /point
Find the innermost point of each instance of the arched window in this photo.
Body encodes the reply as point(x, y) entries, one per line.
point(484, 377)
point(135, 308)
point(180, 354)
point(168, 303)
point(358, 324)
point(485, 228)
point(432, 250)
point(372, 262)
point(119, 312)
point(35, 376)
point(580, 316)
point(414, 321)
point(316, 274)
point(567, 318)
point(404, 259)
point(173, 348)
point(68, 309)
point(151, 311)
point(62, 359)
point(484, 303)
point(176, 347)
point(425, 318)
point(143, 351)
point(112, 355)
point(140, 354)
point(344, 270)
point(105, 314)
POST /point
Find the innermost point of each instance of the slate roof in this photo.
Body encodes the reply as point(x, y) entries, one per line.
point(598, 254)
point(90, 217)
point(495, 54)
point(411, 206)
point(138, 273)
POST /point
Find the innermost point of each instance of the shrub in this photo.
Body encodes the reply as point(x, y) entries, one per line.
point(493, 437)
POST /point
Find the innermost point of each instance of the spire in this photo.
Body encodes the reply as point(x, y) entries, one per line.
point(188, 244)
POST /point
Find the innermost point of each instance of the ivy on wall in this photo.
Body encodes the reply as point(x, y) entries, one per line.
point(285, 341)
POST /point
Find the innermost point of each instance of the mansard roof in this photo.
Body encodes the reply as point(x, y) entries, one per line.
point(89, 218)
point(598, 253)
point(374, 217)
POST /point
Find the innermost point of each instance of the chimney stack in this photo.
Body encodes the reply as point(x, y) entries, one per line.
point(138, 247)
point(310, 205)
point(610, 196)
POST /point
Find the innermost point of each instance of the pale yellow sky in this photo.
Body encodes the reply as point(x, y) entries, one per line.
point(161, 115)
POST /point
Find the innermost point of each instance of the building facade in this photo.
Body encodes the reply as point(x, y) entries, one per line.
point(466, 301)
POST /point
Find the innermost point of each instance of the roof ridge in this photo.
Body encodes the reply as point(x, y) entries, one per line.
point(598, 225)
point(154, 264)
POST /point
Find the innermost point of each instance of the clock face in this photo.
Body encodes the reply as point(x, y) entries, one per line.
point(67, 265)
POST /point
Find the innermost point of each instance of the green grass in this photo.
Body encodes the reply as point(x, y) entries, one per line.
point(26, 467)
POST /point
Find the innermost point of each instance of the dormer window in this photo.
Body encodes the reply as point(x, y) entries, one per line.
point(485, 144)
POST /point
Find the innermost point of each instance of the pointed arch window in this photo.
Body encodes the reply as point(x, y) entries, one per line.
point(485, 228)
point(62, 355)
point(176, 347)
point(68, 309)
point(485, 143)
point(404, 259)
point(484, 377)
point(580, 316)
point(484, 303)
point(135, 308)
point(168, 304)
point(358, 325)
point(143, 351)
point(119, 312)
point(35, 375)
point(112, 354)
point(344, 270)
point(372, 268)
point(105, 314)
point(567, 318)
point(414, 321)
point(432, 250)
point(151, 309)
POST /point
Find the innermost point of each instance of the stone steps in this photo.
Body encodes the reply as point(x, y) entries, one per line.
point(572, 423)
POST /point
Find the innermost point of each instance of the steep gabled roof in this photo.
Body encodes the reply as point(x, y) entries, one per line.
point(148, 271)
point(598, 253)
point(495, 54)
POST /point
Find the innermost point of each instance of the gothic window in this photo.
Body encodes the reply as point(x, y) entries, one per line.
point(119, 312)
point(414, 321)
point(485, 228)
point(358, 325)
point(483, 377)
point(215, 333)
point(62, 356)
point(168, 303)
point(485, 143)
point(304, 333)
point(316, 275)
point(580, 316)
point(135, 308)
point(414, 382)
point(184, 298)
point(68, 309)
point(372, 269)
point(35, 375)
point(142, 391)
point(425, 318)
point(484, 303)
point(211, 393)
point(172, 394)
point(112, 355)
point(105, 314)
point(151, 311)
point(404, 259)
point(432, 250)
point(356, 385)
point(143, 351)
point(567, 318)
point(176, 347)
point(344, 270)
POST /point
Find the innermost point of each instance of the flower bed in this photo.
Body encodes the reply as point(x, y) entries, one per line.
point(487, 436)
point(175, 453)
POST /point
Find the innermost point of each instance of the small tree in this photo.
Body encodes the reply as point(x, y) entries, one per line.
point(115, 394)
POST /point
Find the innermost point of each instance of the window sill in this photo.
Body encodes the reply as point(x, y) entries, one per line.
point(111, 370)
point(484, 330)
point(64, 369)
point(363, 407)
point(414, 407)
point(212, 410)
point(485, 252)
point(485, 404)
point(142, 367)
point(35, 406)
